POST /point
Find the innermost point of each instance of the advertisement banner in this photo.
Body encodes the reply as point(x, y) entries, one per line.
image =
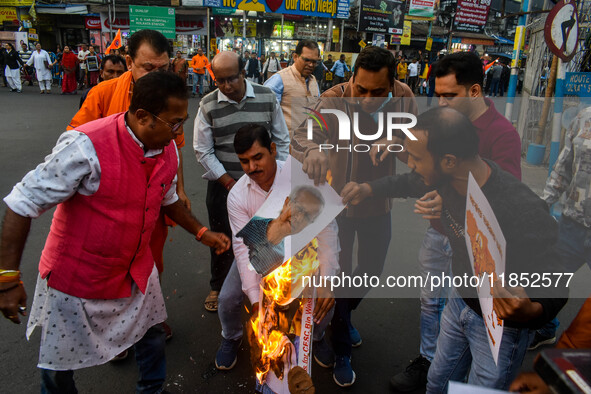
point(8, 14)
point(405, 39)
point(228, 27)
point(303, 32)
point(321, 8)
point(17, 3)
point(422, 8)
point(92, 22)
point(288, 30)
point(161, 19)
point(336, 36)
point(429, 44)
point(471, 15)
point(381, 16)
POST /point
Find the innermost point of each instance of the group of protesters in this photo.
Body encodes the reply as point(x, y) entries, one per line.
point(116, 177)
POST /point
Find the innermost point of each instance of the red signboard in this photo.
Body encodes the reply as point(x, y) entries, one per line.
point(92, 22)
point(471, 15)
point(561, 30)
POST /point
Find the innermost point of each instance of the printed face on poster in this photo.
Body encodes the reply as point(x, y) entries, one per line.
point(486, 249)
point(293, 214)
point(381, 16)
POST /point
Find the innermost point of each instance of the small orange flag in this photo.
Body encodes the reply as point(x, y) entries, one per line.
point(116, 42)
point(489, 65)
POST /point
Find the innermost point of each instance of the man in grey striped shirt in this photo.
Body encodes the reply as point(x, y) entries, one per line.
point(236, 103)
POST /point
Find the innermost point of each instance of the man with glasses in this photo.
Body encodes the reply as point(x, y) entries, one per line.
point(235, 103)
point(149, 51)
point(97, 291)
point(297, 81)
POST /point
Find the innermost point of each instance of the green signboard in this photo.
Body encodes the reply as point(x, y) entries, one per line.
point(161, 19)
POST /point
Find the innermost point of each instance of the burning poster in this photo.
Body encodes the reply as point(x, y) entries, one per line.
point(283, 247)
point(486, 248)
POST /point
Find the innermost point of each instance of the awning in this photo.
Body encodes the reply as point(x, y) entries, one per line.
point(502, 40)
point(62, 9)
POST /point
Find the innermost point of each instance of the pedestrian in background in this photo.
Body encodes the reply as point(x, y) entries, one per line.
point(68, 65)
point(12, 69)
point(43, 64)
point(271, 66)
point(82, 53)
point(339, 69)
point(413, 74)
point(180, 66)
point(93, 75)
point(253, 68)
point(3, 64)
point(198, 64)
point(402, 70)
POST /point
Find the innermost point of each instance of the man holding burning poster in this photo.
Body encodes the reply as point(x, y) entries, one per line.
point(264, 175)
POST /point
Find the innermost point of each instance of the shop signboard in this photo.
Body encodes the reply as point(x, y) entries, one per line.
point(233, 27)
point(405, 39)
point(577, 84)
point(192, 3)
point(223, 11)
point(381, 16)
point(288, 30)
point(92, 22)
point(429, 44)
point(185, 24)
point(471, 15)
point(422, 8)
point(17, 3)
point(321, 8)
point(161, 19)
point(308, 32)
point(336, 36)
point(8, 14)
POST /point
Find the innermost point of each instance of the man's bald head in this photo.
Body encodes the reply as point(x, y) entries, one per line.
point(227, 60)
point(449, 133)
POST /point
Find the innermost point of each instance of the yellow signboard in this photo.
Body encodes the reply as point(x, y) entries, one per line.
point(429, 44)
point(405, 40)
point(362, 44)
point(16, 3)
point(7, 14)
point(336, 35)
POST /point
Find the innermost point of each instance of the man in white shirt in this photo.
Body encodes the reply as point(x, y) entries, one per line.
point(271, 66)
point(257, 154)
point(82, 54)
point(42, 62)
point(413, 74)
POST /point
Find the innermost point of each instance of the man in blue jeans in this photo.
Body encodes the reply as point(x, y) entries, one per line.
point(442, 157)
point(458, 84)
point(257, 156)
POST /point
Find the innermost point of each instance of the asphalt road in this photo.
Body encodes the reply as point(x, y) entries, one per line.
point(29, 127)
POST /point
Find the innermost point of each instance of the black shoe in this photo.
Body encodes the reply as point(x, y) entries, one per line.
point(413, 377)
point(541, 340)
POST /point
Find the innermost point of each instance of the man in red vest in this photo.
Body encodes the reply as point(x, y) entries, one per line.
point(98, 290)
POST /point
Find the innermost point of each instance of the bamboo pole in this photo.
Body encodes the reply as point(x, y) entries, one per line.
point(547, 101)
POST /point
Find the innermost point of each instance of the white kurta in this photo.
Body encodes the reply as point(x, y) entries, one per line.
point(36, 59)
point(78, 332)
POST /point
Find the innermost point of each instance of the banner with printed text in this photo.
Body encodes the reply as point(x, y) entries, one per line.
point(422, 8)
point(471, 15)
point(381, 16)
point(321, 8)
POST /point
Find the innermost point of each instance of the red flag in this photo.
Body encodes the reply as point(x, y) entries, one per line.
point(116, 42)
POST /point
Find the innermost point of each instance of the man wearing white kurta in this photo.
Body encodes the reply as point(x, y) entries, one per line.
point(38, 59)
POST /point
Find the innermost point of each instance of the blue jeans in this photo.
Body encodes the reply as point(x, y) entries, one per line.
point(435, 260)
point(198, 80)
point(150, 358)
point(230, 308)
point(463, 346)
point(494, 87)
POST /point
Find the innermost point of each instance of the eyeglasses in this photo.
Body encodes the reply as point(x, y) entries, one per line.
point(311, 61)
point(173, 126)
point(229, 80)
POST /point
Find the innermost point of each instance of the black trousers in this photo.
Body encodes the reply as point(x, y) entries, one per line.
point(373, 239)
point(217, 211)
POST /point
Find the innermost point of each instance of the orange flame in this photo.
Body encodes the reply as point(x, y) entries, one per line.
point(329, 177)
point(280, 288)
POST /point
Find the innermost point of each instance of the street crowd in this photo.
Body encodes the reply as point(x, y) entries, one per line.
point(116, 177)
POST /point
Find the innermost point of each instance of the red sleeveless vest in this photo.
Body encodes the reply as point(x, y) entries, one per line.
point(98, 244)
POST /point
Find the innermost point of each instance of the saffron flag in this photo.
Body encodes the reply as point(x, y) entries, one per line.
point(116, 42)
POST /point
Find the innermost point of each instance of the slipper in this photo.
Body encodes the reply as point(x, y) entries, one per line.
point(211, 302)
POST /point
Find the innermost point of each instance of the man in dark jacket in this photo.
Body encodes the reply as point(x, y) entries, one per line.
point(442, 157)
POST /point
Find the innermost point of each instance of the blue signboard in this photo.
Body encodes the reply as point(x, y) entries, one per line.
point(577, 84)
point(321, 8)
